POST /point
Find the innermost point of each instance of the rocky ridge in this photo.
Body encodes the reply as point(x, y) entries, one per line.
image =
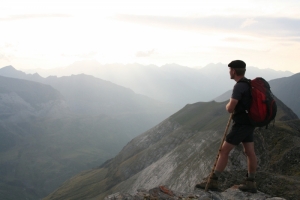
point(164, 193)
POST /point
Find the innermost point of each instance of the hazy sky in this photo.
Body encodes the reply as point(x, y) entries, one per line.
point(56, 33)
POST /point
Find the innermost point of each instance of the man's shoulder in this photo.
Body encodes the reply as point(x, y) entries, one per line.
point(241, 85)
point(240, 88)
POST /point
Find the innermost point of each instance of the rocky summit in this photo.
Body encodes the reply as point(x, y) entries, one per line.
point(164, 193)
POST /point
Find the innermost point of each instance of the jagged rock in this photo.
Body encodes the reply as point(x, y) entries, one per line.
point(164, 193)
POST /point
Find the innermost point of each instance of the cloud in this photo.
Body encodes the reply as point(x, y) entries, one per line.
point(7, 51)
point(32, 16)
point(248, 22)
point(268, 26)
point(89, 55)
point(276, 26)
point(4, 57)
point(144, 53)
point(236, 39)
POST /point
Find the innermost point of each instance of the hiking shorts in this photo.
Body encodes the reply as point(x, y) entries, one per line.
point(240, 133)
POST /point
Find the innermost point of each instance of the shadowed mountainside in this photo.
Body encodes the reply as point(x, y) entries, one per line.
point(44, 140)
point(287, 89)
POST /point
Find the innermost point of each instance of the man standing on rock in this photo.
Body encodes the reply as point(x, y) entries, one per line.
point(241, 131)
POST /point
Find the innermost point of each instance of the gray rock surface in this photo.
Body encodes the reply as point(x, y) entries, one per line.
point(164, 193)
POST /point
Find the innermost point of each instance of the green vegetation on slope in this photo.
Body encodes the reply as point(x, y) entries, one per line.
point(202, 116)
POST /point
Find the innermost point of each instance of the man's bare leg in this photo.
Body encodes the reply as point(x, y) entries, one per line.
point(251, 158)
point(250, 185)
point(223, 157)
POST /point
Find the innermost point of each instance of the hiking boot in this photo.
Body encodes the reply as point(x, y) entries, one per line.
point(213, 183)
point(248, 186)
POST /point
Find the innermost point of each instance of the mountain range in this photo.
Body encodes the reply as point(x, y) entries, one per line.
point(50, 134)
point(170, 83)
point(86, 94)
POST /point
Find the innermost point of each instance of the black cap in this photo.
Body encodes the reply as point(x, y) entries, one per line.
point(237, 64)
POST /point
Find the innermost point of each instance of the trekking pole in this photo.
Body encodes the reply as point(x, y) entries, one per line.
point(212, 171)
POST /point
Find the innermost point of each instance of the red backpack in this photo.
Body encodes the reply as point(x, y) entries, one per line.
point(263, 107)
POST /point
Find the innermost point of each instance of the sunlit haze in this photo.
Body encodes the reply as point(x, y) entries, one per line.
point(56, 33)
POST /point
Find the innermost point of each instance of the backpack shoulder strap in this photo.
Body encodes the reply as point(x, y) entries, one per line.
point(245, 80)
point(248, 81)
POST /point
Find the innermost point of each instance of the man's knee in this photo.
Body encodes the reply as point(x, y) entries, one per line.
point(249, 149)
point(226, 148)
point(250, 152)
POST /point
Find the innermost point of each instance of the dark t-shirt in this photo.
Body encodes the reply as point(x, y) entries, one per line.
point(241, 92)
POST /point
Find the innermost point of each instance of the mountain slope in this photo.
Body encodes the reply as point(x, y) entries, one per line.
point(43, 142)
point(180, 151)
point(287, 89)
point(37, 99)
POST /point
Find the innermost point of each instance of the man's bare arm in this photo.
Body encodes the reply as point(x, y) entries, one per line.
point(231, 105)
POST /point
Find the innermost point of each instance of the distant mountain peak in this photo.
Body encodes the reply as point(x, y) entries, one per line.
point(8, 67)
point(10, 71)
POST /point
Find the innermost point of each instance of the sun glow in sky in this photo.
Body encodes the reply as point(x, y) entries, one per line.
point(56, 33)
